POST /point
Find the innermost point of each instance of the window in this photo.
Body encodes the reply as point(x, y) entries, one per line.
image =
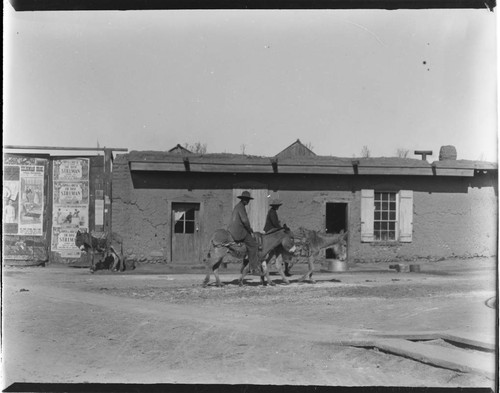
point(385, 220)
point(184, 217)
point(386, 216)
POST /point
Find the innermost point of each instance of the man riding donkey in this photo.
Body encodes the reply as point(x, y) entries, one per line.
point(241, 229)
point(239, 241)
point(273, 224)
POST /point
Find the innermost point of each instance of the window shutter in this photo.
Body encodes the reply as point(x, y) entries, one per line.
point(405, 215)
point(367, 214)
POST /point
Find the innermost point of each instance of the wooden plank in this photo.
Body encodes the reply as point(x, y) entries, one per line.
point(367, 213)
point(454, 359)
point(17, 147)
point(231, 167)
point(157, 166)
point(484, 342)
point(470, 339)
point(373, 170)
point(245, 168)
point(454, 172)
point(412, 336)
point(405, 216)
point(322, 170)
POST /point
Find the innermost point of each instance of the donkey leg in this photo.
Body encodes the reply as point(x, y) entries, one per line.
point(246, 261)
point(207, 277)
point(90, 255)
point(212, 260)
point(265, 272)
point(279, 267)
point(244, 272)
point(116, 261)
point(310, 264)
point(215, 269)
point(121, 264)
point(311, 267)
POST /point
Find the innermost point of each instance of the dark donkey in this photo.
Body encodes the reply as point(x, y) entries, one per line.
point(91, 245)
point(222, 244)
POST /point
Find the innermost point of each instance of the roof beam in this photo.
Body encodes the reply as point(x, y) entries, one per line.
point(17, 147)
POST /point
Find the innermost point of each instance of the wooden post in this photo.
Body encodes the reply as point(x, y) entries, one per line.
point(49, 200)
point(108, 158)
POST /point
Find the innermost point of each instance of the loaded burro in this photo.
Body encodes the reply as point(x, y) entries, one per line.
point(256, 250)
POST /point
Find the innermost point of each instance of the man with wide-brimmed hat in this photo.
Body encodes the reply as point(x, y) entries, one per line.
point(273, 224)
point(242, 231)
point(272, 221)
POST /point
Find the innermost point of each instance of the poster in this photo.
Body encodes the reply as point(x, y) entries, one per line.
point(72, 170)
point(63, 240)
point(71, 214)
point(70, 208)
point(23, 198)
point(31, 205)
point(71, 192)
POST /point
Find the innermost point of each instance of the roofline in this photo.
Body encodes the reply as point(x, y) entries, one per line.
point(297, 141)
point(273, 166)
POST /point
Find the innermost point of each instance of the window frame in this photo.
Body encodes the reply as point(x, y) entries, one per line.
point(381, 221)
point(404, 216)
point(191, 207)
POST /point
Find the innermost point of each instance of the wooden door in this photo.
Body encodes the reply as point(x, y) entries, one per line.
point(256, 209)
point(186, 233)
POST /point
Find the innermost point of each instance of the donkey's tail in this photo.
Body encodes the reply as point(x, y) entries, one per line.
point(210, 249)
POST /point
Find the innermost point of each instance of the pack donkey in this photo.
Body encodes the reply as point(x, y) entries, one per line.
point(113, 251)
point(222, 245)
point(315, 242)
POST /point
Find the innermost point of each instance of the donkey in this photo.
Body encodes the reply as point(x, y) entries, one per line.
point(316, 241)
point(222, 245)
point(91, 244)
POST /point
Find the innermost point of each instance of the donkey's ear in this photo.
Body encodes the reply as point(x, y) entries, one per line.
point(341, 232)
point(345, 235)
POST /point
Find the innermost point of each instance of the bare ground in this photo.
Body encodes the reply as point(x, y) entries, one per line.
point(65, 325)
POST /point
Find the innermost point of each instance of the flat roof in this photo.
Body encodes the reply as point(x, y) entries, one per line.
point(238, 163)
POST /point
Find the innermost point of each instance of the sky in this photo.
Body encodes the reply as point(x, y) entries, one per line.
point(254, 81)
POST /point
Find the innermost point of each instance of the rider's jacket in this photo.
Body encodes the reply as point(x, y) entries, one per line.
point(239, 226)
point(272, 221)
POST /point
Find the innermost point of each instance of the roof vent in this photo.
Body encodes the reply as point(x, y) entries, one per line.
point(423, 153)
point(447, 153)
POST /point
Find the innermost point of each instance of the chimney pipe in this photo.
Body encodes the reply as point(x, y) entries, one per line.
point(448, 152)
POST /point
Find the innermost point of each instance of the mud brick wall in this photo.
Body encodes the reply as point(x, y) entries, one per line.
point(452, 216)
point(141, 212)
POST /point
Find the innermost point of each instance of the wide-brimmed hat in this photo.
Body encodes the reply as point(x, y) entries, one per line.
point(276, 202)
point(245, 195)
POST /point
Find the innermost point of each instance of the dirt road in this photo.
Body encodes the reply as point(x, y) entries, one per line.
point(65, 325)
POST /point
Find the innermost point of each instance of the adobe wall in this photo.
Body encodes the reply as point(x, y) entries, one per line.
point(444, 226)
point(452, 216)
point(141, 215)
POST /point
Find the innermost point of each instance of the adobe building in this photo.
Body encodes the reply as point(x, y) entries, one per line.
point(166, 205)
